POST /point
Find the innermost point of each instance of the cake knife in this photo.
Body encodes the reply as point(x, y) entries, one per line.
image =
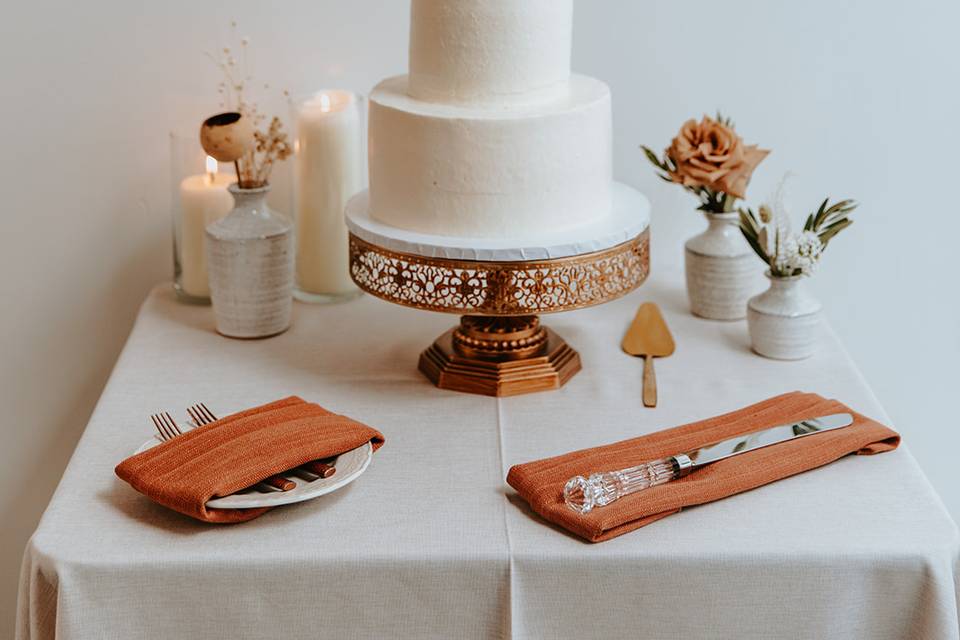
point(600, 489)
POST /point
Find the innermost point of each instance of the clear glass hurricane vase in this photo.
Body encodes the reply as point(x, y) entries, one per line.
point(198, 197)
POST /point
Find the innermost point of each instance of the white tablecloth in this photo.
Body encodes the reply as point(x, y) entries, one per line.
point(431, 543)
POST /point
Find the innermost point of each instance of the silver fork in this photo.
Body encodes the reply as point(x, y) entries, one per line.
point(168, 429)
point(200, 414)
point(166, 426)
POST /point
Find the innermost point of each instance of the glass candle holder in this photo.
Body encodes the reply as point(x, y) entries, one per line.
point(198, 198)
point(328, 170)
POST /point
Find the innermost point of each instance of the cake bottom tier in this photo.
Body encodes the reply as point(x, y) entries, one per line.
point(490, 172)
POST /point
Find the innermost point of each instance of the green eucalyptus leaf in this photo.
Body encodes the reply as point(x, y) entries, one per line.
point(652, 157)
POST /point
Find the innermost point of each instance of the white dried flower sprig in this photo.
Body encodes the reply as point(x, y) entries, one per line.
point(787, 253)
point(271, 147)
point(272, 144)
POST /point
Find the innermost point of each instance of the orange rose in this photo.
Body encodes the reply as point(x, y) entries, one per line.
point(710, 154)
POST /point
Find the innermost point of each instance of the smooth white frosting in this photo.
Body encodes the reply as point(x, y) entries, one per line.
point(482, 172)
point(490, 51)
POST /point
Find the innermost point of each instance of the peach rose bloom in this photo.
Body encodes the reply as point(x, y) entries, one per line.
point(710, 154)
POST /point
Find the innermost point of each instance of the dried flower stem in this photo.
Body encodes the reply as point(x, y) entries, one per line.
point(254, 167)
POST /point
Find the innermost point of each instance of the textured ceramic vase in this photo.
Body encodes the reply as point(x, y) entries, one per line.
point(721, 269)
point(250, 263)
point(784, 320)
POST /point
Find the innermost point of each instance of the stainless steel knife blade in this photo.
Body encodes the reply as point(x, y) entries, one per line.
point(765, 438)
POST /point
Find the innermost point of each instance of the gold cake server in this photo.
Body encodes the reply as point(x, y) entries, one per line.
point(648, 336)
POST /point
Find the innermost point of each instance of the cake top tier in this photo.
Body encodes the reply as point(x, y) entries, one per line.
point(489, 52)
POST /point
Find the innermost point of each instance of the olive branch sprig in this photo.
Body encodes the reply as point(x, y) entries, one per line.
point(826, 222)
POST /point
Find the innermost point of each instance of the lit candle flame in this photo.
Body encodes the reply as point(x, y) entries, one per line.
point(324, 102)
point(212, 168)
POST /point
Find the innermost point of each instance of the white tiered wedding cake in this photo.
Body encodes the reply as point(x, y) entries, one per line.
point(490, 136)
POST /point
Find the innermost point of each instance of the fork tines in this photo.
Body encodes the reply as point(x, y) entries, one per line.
point(166, 426)
point(200, 414)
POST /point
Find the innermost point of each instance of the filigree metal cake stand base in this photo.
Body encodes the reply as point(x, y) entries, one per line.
point(499, 357)
point(500, 347)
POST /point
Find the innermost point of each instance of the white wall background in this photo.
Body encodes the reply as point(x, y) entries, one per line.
point(861, 99)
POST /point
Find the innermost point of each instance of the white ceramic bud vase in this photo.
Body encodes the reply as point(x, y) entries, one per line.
point(784, 320)
point(721, 269)
point(250, 263)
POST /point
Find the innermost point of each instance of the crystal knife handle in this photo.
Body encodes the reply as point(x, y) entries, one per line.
point(600, 489)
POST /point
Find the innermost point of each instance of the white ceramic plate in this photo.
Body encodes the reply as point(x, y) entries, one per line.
point(349, 467)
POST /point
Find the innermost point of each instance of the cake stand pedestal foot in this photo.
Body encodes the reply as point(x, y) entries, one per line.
point(499, 356)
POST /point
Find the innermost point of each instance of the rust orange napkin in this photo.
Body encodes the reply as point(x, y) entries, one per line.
point(541, 482)
point(238, 451)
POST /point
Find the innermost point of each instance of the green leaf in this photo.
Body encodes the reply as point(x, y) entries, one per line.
point(819, 214)
point(828, 215)
point(849, 205)
point(827, 233)
point(728, 201)
point(725, 121)
point(750, 228)
point(835, 223)
point(746, 227)
point(838, 213)
point(755, 245)
point(652, 157)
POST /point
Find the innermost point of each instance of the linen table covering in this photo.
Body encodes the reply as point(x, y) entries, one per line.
point(431, 543)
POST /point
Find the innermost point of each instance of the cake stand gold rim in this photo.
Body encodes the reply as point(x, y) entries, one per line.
point(500, 288)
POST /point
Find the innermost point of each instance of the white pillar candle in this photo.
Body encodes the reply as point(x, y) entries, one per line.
point(204, 199)
point(329, 171)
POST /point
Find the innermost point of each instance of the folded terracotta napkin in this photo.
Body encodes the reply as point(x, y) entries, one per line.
point(541, 482)
point(238, 451)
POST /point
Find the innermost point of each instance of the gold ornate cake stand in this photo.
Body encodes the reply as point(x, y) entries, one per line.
point(500, 347)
